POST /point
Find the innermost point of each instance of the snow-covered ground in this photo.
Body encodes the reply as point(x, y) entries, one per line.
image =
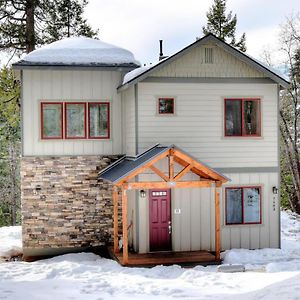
point(270, 274)
point(10, 241)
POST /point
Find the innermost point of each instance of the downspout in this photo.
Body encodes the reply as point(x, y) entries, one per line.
point(136, 94)
point(22, 114)
point(279, 169)
point(136, 91)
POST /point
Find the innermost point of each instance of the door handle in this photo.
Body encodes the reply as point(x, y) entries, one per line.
point(170, 229)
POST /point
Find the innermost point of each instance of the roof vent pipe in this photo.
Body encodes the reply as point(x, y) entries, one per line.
point(161, 54)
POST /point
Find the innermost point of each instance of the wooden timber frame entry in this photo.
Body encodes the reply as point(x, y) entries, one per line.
point(207, 178)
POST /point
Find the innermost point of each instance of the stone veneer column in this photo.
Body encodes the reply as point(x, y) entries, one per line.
point(63, 203)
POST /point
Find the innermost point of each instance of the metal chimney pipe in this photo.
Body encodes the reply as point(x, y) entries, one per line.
point(161, 55)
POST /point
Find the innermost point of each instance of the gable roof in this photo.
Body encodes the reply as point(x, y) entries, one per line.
point(144, 72)
point(79, 51)
point(126, 165)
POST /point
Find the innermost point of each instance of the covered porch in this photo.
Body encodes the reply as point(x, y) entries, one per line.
point(165, 258)
point(123, 174)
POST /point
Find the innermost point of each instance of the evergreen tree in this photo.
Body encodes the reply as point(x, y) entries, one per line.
point(9, 148)
point(223, 26)
point(25, 24)
point(65, 19)
point(30, 23)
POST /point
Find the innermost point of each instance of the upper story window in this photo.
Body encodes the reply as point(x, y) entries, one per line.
point(99, 120)
point(243, 205)
point(75, 120)
point(166, 106)
point(242, 117)
point(51, 115)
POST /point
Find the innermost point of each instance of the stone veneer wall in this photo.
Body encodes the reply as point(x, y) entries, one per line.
point(72, 208)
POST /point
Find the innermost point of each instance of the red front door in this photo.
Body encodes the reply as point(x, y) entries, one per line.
point(160, 220)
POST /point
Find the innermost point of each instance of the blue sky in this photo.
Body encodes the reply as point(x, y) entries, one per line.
point(137, 25)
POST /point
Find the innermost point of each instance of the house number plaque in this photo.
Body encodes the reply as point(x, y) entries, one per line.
point(177, 211)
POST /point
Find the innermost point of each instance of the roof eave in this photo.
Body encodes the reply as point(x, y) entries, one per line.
point(22, 65)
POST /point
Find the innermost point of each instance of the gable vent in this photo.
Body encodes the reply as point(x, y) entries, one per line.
point(208, 55)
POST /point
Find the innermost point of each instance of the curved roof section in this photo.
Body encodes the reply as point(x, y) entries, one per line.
point(142, 73)
point(79, 51)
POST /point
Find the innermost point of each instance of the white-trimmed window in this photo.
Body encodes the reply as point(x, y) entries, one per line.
point(243, 205)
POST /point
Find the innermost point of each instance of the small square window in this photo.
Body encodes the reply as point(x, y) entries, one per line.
point(165, 106)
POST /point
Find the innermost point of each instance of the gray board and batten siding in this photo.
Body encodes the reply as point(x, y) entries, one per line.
point(197, 126)
point(70, 86)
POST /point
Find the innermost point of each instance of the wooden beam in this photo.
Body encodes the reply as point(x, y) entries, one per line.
point(167, 185)
point(125, 230)
point(194, 170)
point(116, 227)
point(159, 173)
point(219, 183)
point(183, 172)
point(217, 224)
point(143, 168)
point(199, 166)
point(171, 165)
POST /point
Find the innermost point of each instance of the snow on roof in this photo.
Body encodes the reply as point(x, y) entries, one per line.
point(135, 73)
point(138, 71)
point(80, 51)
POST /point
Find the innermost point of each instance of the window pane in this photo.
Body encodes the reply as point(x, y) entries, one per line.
point(251, 117)
point(251, 205)
point(75, 119)
point(233, 117)
point(52, 116)
point(98, 114)
point(166, 106)
point(234, 206)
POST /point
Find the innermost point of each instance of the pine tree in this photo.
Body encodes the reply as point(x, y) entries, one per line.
point(223, 26)
point(30, 23)
point(24, 25)
point(65, 19)
point(9, 148)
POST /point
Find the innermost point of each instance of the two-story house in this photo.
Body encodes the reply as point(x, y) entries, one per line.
point(181, 156)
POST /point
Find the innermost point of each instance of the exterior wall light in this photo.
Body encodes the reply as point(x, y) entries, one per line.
point(142, 194)
point(275, 190)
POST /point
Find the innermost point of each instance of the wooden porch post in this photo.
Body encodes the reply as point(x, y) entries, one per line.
point(125, 233)
point(116, 226)
point(217, 222)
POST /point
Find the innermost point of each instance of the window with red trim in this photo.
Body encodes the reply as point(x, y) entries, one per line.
point(166, 106)
point(243, 205)
point(242, 117)
point(98, 120)
point(51, 119)
point(75, 120)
